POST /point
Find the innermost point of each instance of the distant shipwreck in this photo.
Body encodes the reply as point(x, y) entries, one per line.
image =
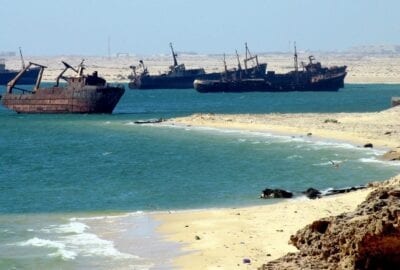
point(312, 77)
point(179, 77)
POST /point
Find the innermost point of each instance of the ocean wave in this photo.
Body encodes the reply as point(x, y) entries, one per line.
point(116, 216)
point(61, 250)
point(377, 161)
point(73, 240)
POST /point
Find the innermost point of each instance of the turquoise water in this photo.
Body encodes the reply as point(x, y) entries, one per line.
point(57, 168)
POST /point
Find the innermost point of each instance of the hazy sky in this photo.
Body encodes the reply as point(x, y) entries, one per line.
point(51, 27)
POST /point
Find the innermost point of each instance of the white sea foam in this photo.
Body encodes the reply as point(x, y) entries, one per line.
point(294, 157)
point(88, 244)
point(306, 143)
point(374, 160)
point(61, 250)
point(137, 213)
point(72, 240)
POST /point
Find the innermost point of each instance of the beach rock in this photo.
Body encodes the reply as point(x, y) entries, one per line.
point(367, 238)
point(246, 260)
point(343, 190)
point(312, 193)
point(275, 193)
point(368, 145)
point(334, 121)
point(392, 155)
point(395, 101)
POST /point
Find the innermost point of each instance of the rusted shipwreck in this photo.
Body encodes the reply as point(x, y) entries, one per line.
point(81, 94)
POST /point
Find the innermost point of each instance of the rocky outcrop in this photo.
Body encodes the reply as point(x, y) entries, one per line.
point(275, 193)
point(312, 193)
point(395, 101)
point(368, 238)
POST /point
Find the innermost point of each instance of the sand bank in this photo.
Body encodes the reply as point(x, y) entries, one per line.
point(382, 129)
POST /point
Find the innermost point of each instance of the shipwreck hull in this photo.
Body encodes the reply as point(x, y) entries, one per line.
point(60, 100)
point(28, 78)
point(239, 86)
point(167, 82)
point(288, 82)
point(186, 82)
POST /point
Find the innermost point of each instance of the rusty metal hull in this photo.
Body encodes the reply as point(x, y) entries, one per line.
point(90, 99)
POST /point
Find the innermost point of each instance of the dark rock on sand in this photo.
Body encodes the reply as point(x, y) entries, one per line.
point(275, 193)
point(312, 193)
point(367, 238)
point(343, 190)
point(368, 145)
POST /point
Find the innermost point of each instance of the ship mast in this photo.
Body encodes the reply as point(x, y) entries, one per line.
point(249, 57)
point(225, 68)
point(296, 64)
point(239, 65)
point(174, 55)
point(22, 58)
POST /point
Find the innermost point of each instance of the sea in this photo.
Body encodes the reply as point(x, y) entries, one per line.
point(76, 191)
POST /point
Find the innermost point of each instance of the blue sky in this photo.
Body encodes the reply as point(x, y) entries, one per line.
point(54, 27)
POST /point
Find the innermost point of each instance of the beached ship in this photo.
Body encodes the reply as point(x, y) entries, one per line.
point(237, 80)
point(313, 77)
point(179, 77)
point(80, 94)
point(7, 75)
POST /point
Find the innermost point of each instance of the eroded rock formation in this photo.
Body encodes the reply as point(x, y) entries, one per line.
point(368, 238)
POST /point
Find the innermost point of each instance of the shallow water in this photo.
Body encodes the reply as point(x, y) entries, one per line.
point(57, 168)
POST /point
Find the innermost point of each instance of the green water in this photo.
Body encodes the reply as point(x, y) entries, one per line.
point(55, 168)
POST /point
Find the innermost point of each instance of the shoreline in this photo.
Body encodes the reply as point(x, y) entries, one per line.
point(220, 238)
point(223, 238)
point(354, 128)
point(277, 134)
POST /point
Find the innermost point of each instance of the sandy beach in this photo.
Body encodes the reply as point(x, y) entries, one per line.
point(259, 233)
point(222, 238)
point(379, 128)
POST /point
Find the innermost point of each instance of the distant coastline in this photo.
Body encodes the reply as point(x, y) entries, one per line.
point(363, 68)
